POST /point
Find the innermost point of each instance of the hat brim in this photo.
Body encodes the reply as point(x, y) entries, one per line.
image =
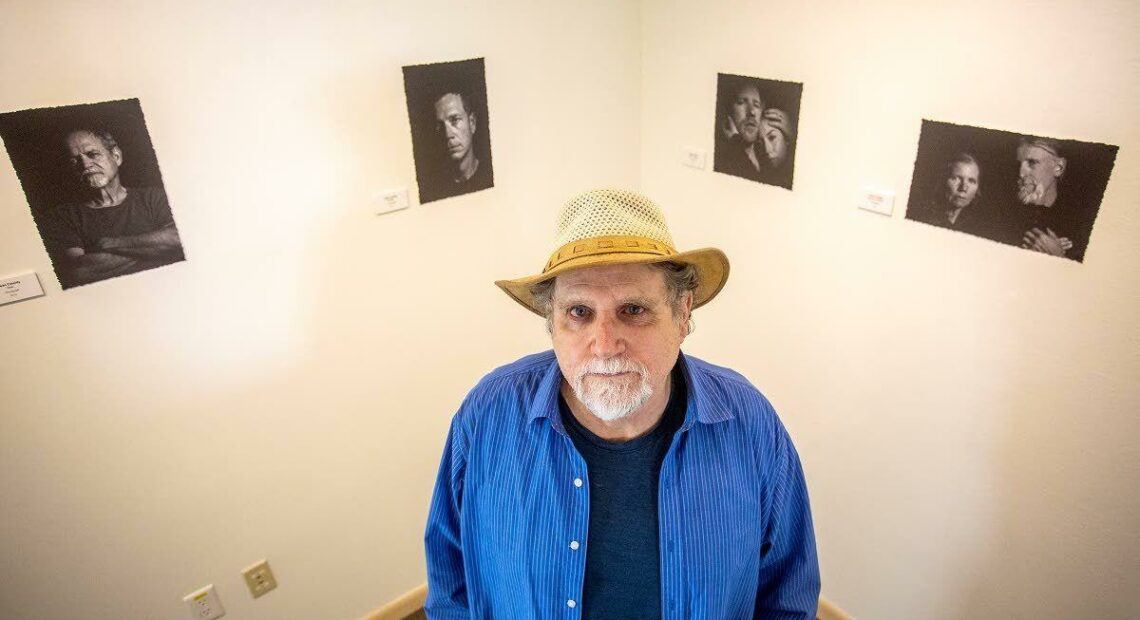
point(711, 265)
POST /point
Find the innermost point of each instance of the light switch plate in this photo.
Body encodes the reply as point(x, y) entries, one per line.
point(390, 200)
point(878, 201)
point(694, 158)
point(19, 288)
point(204, 604)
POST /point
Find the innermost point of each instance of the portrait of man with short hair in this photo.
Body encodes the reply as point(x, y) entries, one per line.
point(92, 182)
point(1038, 193)
point(755, 128)
point(451, 141)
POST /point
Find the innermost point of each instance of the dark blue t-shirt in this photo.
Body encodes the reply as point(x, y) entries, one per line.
point(623, 565)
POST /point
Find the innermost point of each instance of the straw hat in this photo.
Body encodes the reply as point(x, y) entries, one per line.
point(613, 226)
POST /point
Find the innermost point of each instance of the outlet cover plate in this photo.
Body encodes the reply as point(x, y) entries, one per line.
point(204, 604)
point(259, 578)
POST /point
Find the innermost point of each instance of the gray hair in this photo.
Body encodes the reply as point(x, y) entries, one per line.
point(102, 135)
point(679, 278)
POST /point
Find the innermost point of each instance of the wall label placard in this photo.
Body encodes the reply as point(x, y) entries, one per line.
point(19, 288)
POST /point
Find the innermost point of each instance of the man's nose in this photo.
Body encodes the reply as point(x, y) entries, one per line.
point(607, 341)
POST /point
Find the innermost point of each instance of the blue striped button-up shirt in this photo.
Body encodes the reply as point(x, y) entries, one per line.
point(506, 533)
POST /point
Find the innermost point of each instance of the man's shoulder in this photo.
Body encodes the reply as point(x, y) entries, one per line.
point(716, 372)
point(518, 372)
point(509, 388)
point(725, 388)
point(147, 195)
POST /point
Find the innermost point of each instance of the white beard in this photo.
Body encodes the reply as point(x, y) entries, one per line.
point(611, 398)
point(1030, 192)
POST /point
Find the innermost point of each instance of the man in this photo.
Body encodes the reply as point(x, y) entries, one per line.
point(615, 477)
point(455, 125)
point(752, 141)
point(1045, 223)
point(111, 230)
point(735, 151)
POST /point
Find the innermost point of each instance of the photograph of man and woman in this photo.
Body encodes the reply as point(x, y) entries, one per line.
point(755, 128)
point(1037, 193)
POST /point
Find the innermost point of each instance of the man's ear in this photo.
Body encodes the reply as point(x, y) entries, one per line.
point(117, 155)
point(471, 121)
point(1062, 163)
point(686, 312)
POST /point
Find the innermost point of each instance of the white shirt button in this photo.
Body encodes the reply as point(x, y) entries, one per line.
point(571, 604)
point(574, 545)
point(578, 482)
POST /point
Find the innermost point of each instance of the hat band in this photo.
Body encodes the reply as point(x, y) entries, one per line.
point(607, 245)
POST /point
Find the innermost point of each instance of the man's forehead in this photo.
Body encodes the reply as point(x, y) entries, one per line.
point(611, 279)
point(83, 138)
point(1030, 151)
point(450, 102)
point(748, 90)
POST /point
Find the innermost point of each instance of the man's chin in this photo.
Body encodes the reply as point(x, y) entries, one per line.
point(610, 411)
point(615, 403)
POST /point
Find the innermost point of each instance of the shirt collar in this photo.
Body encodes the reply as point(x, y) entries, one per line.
point(706, 404)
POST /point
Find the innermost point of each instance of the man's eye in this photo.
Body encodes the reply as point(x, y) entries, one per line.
point(578, 312)
point(634, 309)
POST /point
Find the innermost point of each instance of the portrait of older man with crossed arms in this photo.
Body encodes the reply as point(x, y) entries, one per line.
point(615, 476)
point(111, 230)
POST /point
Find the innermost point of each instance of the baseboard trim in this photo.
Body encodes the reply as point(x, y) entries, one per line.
point(413, 601)
point(401, 608)
point(828, 611)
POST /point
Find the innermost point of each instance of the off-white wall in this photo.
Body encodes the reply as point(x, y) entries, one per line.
point(286, 391)
point(966, 411)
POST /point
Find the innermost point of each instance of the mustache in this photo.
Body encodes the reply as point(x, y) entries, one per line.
point(611, 366)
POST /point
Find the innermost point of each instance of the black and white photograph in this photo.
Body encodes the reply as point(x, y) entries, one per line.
point(451, 136)
point(756, 123)
point(92, 182)
point(1034, 192)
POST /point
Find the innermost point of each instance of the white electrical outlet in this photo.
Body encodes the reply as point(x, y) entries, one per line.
point(205, 604)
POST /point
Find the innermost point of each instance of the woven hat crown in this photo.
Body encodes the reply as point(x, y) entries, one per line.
point(615, 227)
point(611, 213)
